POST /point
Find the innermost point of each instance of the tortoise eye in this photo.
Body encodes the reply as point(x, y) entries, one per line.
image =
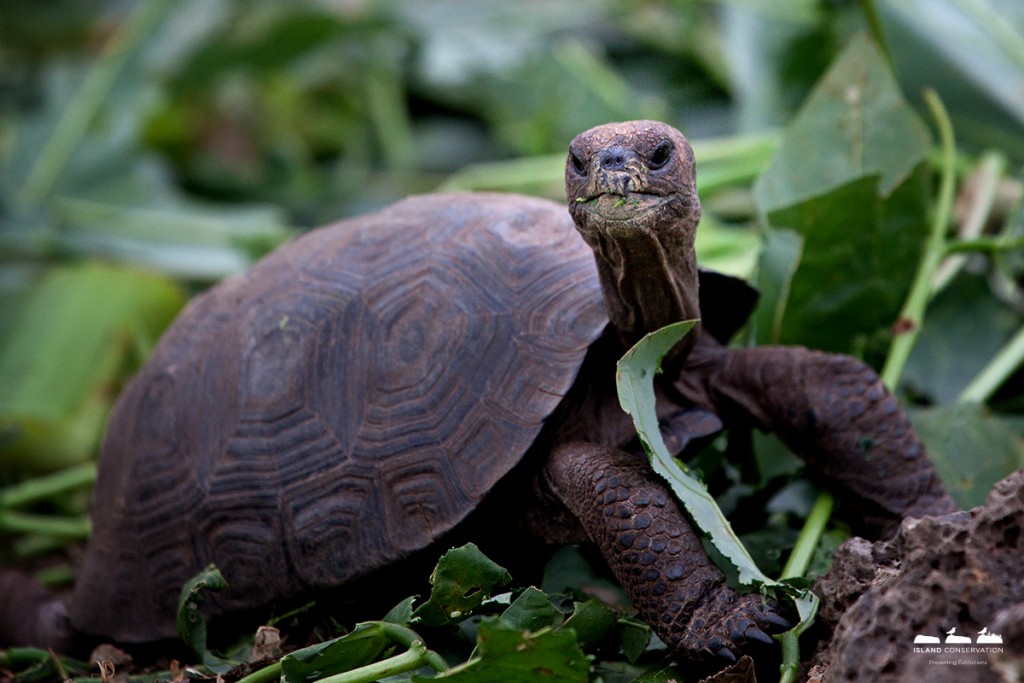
point(662, 153)
point(577, 163)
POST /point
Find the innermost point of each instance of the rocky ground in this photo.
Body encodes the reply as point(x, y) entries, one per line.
point(963, 571)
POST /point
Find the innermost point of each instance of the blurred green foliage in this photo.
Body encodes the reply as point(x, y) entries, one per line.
point(149, 148)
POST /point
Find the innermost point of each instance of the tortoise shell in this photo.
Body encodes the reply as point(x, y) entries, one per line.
point(341, 405)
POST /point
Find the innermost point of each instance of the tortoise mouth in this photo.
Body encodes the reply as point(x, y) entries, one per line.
point(617, 208)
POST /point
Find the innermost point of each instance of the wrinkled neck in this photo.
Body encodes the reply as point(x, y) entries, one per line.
point(648, 284)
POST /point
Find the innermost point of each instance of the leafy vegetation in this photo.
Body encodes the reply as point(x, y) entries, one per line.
point(151, 148)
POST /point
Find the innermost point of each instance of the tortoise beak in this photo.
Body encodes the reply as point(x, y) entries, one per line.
point(616, 170)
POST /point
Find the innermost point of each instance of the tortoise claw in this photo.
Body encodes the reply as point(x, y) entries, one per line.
point(746, 621)
point(726, 654)
point(755, 634)
point(777, 620)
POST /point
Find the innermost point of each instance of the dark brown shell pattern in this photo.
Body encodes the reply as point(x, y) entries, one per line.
point(342, 404)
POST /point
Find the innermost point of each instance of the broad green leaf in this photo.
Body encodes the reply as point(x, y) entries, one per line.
point(854, 124)
point(78, 332)
point(635, 636)
point(463, 578)
point(964, 315)
point(776, 266)
point(191, 622)
point(591, 621)
point(971, 447)
point(859, 255)
point(532, 611)
point(850, 178)
point(511, 655)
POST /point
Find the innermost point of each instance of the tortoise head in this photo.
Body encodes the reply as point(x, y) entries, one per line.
point(630, 177)
point(632, 193)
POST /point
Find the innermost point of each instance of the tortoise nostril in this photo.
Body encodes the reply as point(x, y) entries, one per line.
point(613, 159)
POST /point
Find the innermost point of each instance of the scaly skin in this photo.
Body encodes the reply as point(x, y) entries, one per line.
point(835, 413)
point(655, 554)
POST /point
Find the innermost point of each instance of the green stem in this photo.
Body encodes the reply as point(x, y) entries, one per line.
point(75, 528)
point(984, 183)
point(386, 102)
point(48, 486)
point(406, 636)
point(790, 666)
point(991, 245)
point(264, 675)
point(90, 97)
point(57, 575)
point(411, 660)
point(810, 535)
point(935, 248)
point(996, 371)
point(796, 566)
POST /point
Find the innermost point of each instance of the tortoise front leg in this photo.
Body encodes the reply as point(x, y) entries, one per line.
point(655, 554)
point(835, 413)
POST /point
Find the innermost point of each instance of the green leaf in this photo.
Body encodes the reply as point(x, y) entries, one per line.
point(402, 612)
point(511, 655)
point(971, 447)
point(591, 621)
point(850, 178)
point(569, 572)
point(463, 578)
point(635, 375)
point(191, 622)
point(78, 332)
point(854, 124)
point(859, 255)
point(362, 646)
point(636, 636)
point(965, 315)
point(355, 657)
point(635, 383)
point(776, 266)
point(532, 611)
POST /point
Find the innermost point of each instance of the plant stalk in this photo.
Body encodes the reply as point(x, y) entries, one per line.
point(796, 566)
point(74, 528)
point(271, 672)
point(90, 97)
point(47, 486)
point(912, 314)
point(807, 542)
point(995, 372)
point(410, 660)
point(790, 666)
point(991, 245)
point(984, 181)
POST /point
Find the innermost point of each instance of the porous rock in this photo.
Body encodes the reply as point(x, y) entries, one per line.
point(962, 571)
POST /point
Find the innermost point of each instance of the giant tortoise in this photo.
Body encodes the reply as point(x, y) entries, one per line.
point(445, 368)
